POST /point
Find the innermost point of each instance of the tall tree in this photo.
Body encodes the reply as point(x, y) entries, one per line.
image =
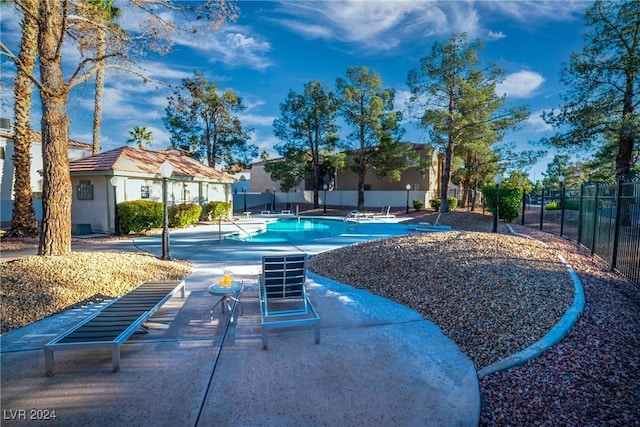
point(604, 85)
point(55, 238)
point(23, 220)
point(368, 109)
point(601, 167)
point(141, 136)
point(307, 128)
point(54, 19)
point(105, 12)
point(560, 165)
point(201, 121)
point(288, 171)
point(458, 102)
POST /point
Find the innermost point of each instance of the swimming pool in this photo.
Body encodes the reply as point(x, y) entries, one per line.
point(305, 230)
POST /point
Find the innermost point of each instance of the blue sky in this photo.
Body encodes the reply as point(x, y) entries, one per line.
point(276, 46)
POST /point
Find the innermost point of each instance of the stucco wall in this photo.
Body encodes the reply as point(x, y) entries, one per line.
point(99, 212)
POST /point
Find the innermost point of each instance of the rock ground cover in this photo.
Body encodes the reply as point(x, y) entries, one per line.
point(499, 300)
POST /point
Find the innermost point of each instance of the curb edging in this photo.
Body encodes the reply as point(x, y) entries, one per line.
point(555, 334)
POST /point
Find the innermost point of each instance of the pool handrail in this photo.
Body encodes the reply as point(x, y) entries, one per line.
point(237, 225)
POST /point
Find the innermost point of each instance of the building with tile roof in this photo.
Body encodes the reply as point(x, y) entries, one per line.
point(77, 150)
point(138, 177)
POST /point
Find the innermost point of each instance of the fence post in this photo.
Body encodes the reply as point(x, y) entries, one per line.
point(595, 221)
point(524, 205)
point(562, 192)
point(580, 214)
point(616, 225)
point(542, 209)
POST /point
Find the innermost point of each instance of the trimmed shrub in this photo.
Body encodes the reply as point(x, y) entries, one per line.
point(140, 215)
point(184, 214)
point(451, 201)
point(569, 205)
point(552, 206)
point(213, 210)
point(572, 204)
point(417, 204)
point(510, 200)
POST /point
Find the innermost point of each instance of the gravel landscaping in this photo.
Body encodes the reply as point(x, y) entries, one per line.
point(35, 287)
point(591, 378)
point(493, 294)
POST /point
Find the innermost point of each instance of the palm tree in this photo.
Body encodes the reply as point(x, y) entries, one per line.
point(140, 136)
point(23, 221)
point(107, 12)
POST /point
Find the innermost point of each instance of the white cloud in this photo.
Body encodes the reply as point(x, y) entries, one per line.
point(537, 10)
point(255, 119)
point(232, 44)
point(309, 31)
point(495, 35)
point(536, 124)
point(381, 25)
point(376, 25)
point(520, 85)
point(401, 103)
point(266, 144)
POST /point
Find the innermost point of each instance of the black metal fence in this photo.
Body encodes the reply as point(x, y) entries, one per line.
point(603, 217)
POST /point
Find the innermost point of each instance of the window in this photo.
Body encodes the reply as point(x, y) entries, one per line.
point(144, 192)
point(85, 190)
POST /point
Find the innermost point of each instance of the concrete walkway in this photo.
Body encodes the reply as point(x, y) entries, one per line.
point(378, 362)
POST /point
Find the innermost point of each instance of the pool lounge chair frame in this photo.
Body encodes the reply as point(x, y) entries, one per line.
point(111, 326)
point(284, 301)
point(385, 213)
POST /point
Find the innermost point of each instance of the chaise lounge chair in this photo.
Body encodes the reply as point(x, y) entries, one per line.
point(425, 227)
point(111, 326)
point(283, 296)
point(385, 213)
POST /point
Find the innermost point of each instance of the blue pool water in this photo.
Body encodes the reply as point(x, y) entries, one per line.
point(304, 230)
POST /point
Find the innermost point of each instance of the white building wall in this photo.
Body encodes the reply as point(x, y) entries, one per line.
point(7, 176)
point(99, 212)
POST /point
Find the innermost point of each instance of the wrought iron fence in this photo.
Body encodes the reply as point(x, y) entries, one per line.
point(604, 217)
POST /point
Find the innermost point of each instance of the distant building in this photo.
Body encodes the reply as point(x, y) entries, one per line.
point(138, 173)
point(7, 149)
point(347, 180)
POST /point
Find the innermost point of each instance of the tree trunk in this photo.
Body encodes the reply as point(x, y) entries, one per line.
point(315, 174)
point(55, 238)
point(624, 159)
point(101, 51)
point(23, 219)
point(362, 170)
point(446, 176)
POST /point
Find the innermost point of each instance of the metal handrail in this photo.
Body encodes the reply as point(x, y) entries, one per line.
point(234, 223)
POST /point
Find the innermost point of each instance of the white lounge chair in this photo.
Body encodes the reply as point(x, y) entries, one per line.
point(385, 213)
point(283, 295)
point(426, 227)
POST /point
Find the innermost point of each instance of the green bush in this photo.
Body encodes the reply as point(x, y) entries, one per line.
point(417, 204)
point(510, 200)
point(552, 206)
point(213, 210)
point(184, 214)
point(452, 202)
point(569, 204)
point(140, 215)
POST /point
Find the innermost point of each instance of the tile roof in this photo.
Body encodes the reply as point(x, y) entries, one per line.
point(147, 162)
point(36, 137)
